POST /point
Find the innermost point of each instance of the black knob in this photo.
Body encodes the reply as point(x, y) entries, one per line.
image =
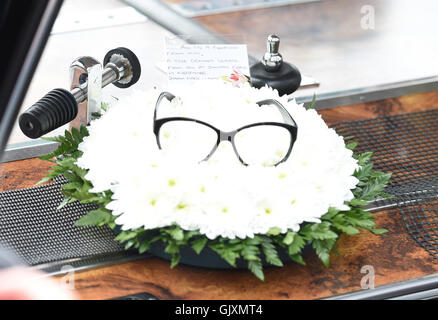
point(134, 69)
point(273, 71)
point(55, 109)
point(286, 80)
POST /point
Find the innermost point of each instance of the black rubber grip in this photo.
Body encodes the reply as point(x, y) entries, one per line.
point(55, 109)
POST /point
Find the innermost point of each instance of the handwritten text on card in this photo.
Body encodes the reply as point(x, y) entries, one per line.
point(187, 63)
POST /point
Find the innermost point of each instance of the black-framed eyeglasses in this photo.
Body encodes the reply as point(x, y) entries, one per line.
point(263, 143)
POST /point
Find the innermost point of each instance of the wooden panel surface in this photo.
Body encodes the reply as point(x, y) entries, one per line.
point(395, 256)
point(399, 105)
point(330, 41)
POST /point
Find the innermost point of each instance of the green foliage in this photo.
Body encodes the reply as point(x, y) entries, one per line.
point(351, 145)
point(297, 244)
point(323, 248)
point(97, 217)
point(320, 236)
point(318, 231)
point(68, 144)
point(104, 108)
point(255, 266)
point(270, 252)
point(199, 244)
point(312, 104)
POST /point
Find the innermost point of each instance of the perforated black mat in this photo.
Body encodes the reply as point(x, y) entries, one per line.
point(31, 225)
point(406, 145)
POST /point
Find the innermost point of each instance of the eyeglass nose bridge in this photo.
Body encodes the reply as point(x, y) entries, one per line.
point(227, 136)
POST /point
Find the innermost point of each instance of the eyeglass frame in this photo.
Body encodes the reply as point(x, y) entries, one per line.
point(290, 126)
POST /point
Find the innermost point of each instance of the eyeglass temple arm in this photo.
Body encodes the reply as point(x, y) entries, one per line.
point(284, 113)
point(162, 95)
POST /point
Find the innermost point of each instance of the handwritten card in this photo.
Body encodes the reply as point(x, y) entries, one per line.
point(187, 63)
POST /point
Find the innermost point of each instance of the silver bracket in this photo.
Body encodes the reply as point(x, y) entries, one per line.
point(79, 80)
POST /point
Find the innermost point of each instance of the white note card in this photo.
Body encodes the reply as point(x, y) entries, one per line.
point(187, 63)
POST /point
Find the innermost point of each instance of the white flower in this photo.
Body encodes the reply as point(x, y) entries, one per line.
point(155, 188)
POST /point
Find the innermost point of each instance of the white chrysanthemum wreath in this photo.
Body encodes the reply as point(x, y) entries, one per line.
point(238, 211)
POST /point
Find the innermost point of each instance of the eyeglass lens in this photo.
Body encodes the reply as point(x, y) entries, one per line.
point(264, 145)
point(187, 140)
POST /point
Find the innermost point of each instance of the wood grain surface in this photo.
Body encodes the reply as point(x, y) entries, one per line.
point(370, 110)
point(395, 256)
point(328, 40)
